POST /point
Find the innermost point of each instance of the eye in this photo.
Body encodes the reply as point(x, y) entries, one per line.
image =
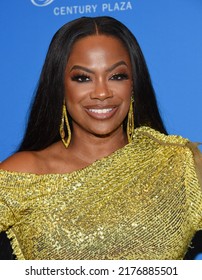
point(119, 77)
point(81, 78)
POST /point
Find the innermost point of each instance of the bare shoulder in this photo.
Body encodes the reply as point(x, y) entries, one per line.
point(20, 162)
point(44, 161)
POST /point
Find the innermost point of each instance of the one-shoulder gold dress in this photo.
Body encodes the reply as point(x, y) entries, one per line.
point(144, 201)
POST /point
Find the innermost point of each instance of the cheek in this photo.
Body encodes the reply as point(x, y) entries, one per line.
point(124, 93)
point(75, 92)
point(121, 87)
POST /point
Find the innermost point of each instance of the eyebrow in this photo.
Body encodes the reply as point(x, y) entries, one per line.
point(75, 67)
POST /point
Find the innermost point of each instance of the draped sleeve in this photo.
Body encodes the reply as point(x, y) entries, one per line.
point(190, 159)
point(15, 190)
point(7, 216)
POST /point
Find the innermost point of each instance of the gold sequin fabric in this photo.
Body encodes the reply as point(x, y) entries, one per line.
point(143, 201)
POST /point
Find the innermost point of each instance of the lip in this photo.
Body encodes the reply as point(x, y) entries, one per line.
point(101, 113)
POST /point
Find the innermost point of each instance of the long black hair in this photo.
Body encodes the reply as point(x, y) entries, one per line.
point(46, 110)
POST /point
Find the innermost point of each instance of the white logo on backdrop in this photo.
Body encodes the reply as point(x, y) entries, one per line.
point(119, 6)
point(42, 3)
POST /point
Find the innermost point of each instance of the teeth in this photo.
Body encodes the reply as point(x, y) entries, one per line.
point(101, 111)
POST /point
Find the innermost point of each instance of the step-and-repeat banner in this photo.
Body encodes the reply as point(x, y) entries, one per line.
point(169, 33)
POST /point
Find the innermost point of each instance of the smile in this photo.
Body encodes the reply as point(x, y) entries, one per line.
point(101, 111)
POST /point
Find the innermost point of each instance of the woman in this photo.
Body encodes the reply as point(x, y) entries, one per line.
point(96, 176)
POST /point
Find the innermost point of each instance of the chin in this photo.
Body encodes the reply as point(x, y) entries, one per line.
point(104, 134)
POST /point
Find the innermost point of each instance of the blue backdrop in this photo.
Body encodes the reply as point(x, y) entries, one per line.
point(169, 32)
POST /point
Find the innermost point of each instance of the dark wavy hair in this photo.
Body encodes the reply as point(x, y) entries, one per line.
point(46, 110)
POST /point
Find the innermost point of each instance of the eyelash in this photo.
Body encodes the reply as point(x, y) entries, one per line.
point(81, 78)
point(119, 77)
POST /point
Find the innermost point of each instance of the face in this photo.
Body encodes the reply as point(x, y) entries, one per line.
point(98, 85)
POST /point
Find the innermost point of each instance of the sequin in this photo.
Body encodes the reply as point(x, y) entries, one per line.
point(142, 202)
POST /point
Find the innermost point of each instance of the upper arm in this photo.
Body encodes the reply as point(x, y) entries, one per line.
point(198, 160)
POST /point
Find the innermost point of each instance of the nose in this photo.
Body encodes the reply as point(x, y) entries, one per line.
point(101, 91)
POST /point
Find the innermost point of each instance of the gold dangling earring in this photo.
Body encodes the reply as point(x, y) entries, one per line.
point(130, 123)
point(62, 127)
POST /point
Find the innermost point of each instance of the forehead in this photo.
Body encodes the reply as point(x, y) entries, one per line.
point(98, 45)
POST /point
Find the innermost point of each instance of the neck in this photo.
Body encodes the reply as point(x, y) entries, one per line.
point(91, 147)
